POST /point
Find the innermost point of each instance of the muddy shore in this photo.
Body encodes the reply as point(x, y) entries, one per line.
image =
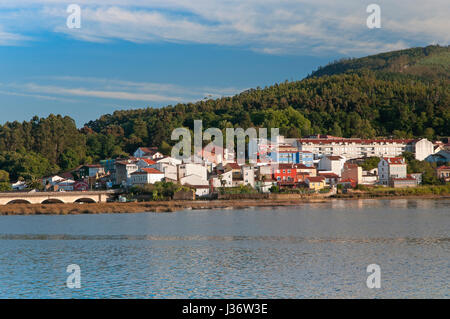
point(173, 206)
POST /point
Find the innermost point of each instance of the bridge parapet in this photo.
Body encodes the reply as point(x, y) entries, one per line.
point(61, 197)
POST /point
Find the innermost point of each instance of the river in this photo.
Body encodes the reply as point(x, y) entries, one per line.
point(314, 250)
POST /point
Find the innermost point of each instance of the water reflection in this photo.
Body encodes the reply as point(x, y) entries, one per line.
point(313, 250)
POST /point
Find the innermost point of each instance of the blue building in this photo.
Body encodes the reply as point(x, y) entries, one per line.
point(293, 157)
point(306, 158)
point(440, 157)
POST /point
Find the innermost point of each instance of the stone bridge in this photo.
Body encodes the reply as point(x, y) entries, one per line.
point(54, 197)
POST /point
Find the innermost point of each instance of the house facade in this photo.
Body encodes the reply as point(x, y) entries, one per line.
point(333, 164)
point(352, 148)
point(315, 183)
point(352, 171)
point(146, 175)
point(391, 167)
point(124, 170)
point(187, 169)
point(443, 173)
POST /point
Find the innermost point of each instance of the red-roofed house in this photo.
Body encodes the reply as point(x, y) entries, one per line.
point(330, 178)
point(347, 183)
point(352, 171)
point(145, 162)
point(146, 175)
point(391, 167)
point(287, 173)
point(443, 173)
point(80, 186)
point(315, 183)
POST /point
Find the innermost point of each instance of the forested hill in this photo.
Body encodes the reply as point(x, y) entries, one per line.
point(350, 98)
point(427, 63)
point(356, 99)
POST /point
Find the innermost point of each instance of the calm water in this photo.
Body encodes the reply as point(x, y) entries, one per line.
point(313, 250)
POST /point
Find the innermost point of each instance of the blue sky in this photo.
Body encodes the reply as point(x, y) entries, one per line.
point(130, 54)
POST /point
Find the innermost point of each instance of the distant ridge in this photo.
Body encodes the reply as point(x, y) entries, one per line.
point(431, 62)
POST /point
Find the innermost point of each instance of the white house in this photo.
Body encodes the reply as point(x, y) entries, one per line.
point(51, 180)
point(422, 148)
point(19, 185)
point(391, 167)
point(193, 180)
point(169, 160)
point(148, 152)
point(224, 179)
point(248, 175)
point(187, 169)
point(146, 175)
point(332, 163)
point(201, 190)
point(66, 184)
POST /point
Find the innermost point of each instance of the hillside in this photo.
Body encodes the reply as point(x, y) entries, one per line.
point(427, 63)
point(367, 97)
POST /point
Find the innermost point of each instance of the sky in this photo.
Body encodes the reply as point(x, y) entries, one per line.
point(132, 54)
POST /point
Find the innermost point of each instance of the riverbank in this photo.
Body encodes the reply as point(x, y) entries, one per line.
point(173, 206)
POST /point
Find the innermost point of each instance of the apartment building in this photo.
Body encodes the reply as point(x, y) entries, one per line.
point(352, 148)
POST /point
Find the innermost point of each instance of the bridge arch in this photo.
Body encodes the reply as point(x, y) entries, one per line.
point(52, 201)
point(18, 201)
point(85, 200)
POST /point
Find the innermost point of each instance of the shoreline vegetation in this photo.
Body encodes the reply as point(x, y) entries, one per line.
point(167, 206)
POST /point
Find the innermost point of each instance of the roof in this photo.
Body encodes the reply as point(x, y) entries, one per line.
point(125, 162)
point(93, 165)
point(66, 175)
point(328, 175)
point(149, 150)
point(148, 161)
point(394, 160)
point(147, 170)
point(284, 151)
point(334, 157)
point(316, 179)
point(350, 165)
point(347, 180)
point(323, 136)
point(293, 166)
point(233, 165)
point(443, 167)
point(404, 179)
point(352, 140)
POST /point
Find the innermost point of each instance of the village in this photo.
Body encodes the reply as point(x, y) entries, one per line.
point(315, 164)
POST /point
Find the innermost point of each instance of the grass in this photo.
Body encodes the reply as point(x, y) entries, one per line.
point(378, 191)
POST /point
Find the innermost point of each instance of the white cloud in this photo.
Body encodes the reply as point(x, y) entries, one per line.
point(8, 38)
point(90, 87)
point(270, 26)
